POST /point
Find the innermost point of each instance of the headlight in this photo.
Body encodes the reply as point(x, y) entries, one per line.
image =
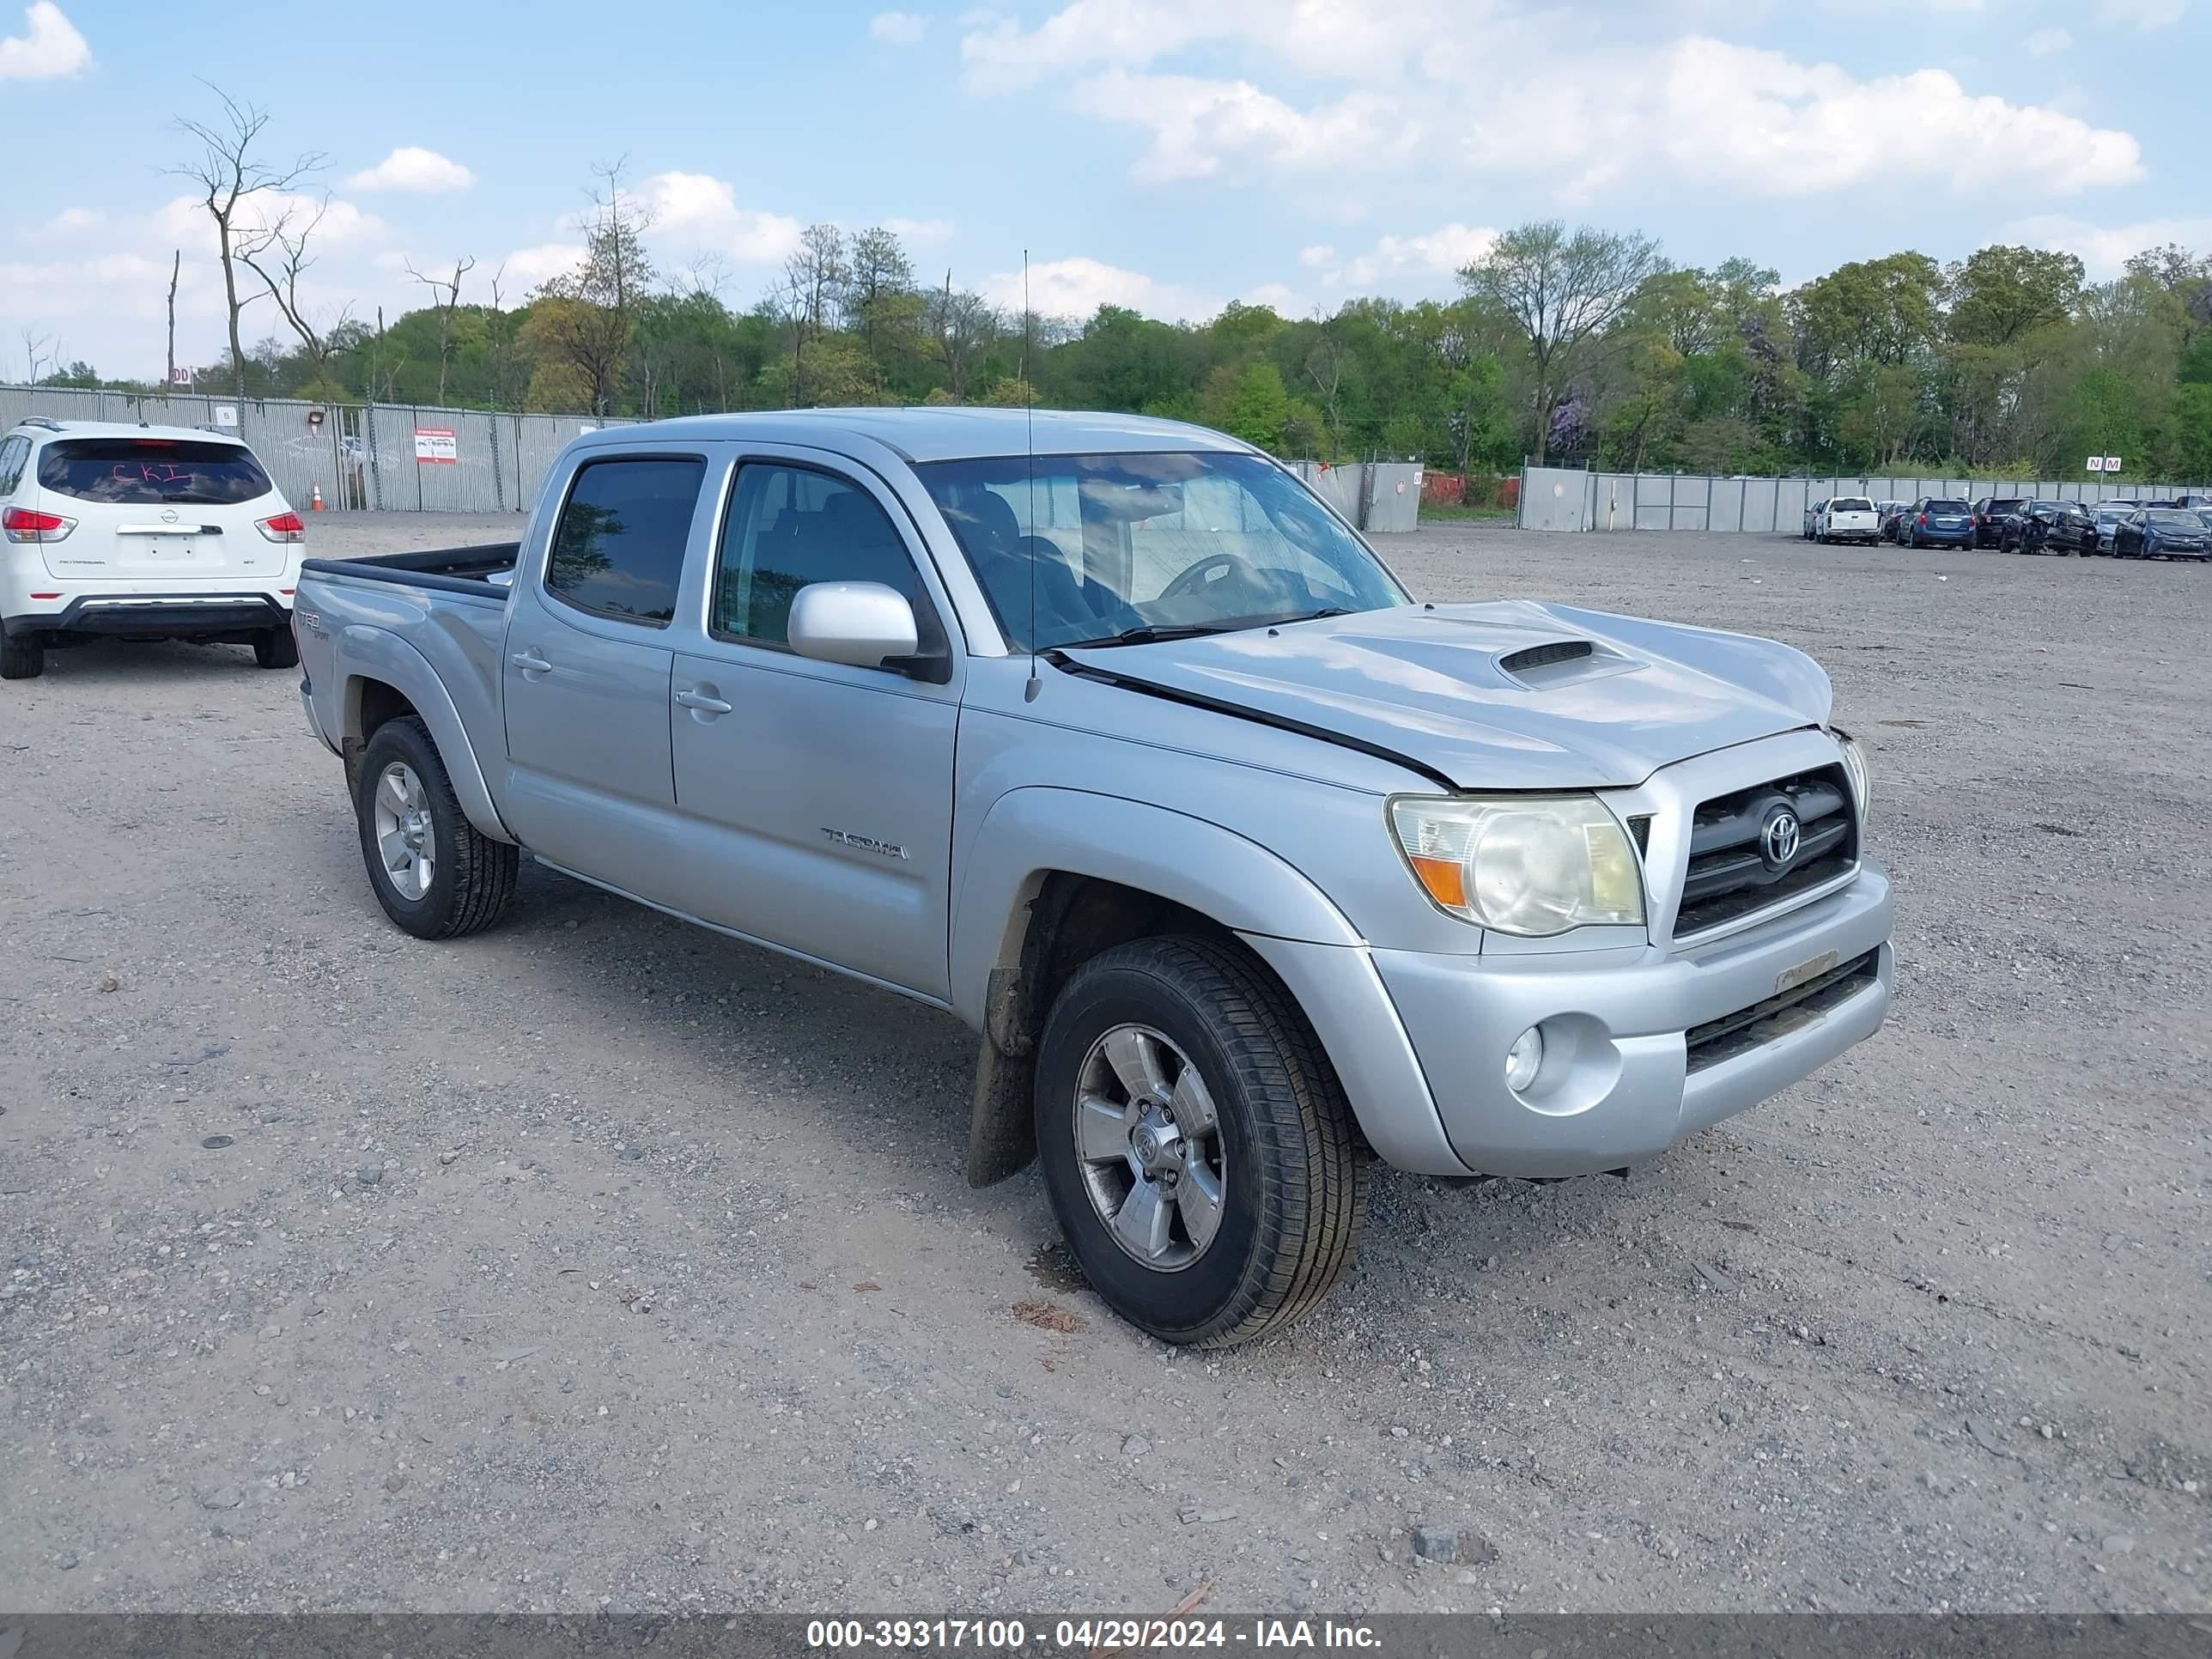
point(1855, 764)
point(1529, 865)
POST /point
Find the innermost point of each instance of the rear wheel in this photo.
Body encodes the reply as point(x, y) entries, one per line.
point(1196, 1144)
point(436, 874)
point(22, 657)
point(274, 648)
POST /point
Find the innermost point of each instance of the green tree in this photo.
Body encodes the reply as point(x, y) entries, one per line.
point(1565, 292)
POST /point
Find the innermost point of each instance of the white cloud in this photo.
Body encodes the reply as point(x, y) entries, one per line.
point(50, 49)
point(1428, 261)
point(73, 221)
point(1314, 257)
point(2144, 14)
point(2044, 42)
point(527, 267)
point(411, 167)
point(702, 211)
point(898, 28)
point(1394, 76)
point(2105, 250)
point(184, 219)
point(1077, 287)
point(924, 230)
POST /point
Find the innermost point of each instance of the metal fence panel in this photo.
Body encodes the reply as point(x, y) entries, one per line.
point(1554, 498)
point(1393, 498)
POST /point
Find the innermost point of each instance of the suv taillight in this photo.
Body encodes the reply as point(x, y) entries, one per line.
point(284, 527)
point(20, 524)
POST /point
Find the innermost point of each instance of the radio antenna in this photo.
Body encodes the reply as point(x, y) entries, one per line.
point(1029, 411)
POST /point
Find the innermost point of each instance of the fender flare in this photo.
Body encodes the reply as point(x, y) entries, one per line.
point(1037, 828)
point(378, 653)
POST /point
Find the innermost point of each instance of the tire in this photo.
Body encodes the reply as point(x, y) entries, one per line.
point(1285, 1157)
point(471, 878)
point(23, 657)
point(274, 648)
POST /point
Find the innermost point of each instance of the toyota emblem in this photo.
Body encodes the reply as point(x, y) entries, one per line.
point(1778, 837)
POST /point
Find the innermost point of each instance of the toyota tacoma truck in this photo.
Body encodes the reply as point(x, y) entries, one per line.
point(1109, 737)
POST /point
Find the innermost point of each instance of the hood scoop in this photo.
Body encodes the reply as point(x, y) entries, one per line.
point(1562, 662)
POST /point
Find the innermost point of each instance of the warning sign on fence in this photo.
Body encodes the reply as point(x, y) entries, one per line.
point(434, 444)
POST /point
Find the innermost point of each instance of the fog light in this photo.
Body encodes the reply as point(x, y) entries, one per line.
point(1523, 1059)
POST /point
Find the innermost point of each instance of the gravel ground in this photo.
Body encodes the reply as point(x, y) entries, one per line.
point(601, 1261)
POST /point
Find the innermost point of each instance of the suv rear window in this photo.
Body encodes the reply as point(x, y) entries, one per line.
point(1850, 504)
point(1949, 507)
point(152, 471)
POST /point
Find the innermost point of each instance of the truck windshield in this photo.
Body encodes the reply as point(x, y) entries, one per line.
point(1120, 548)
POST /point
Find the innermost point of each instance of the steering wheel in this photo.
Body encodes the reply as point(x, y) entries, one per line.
point(1195, 577)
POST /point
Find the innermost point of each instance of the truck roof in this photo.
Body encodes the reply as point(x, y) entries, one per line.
point(951, 432)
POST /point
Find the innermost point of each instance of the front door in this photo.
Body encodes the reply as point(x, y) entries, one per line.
point(818, 796)
point(586, 668)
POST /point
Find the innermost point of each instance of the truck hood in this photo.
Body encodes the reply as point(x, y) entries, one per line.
point(1508, 696)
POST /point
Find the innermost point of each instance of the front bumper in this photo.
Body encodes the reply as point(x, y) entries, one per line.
point(158, 616)
point(1617, 1084)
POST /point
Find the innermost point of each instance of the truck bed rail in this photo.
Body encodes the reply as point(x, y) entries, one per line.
point(444, 569)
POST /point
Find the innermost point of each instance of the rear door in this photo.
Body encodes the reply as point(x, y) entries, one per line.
point(586, 670)
point(159, 509)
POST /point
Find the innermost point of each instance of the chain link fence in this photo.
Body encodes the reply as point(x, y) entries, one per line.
point(362, 457)
point(1556, 498)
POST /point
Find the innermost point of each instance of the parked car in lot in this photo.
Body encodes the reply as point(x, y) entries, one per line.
point(1240, 862)
point(1938, 521)
point(1894, 517)
point(2106, 521)
point(1813, 512)
point(2049, 527)
point(2163, 532)
point(140, 532)
point(1990, 514)
point(1847, 519)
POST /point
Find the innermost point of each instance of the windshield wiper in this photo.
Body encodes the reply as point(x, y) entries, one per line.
point(1152, 634)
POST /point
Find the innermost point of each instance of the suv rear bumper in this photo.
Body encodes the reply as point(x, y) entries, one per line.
point(157, 615)
point(1422, 1052)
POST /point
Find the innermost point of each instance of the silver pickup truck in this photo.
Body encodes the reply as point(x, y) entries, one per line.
point(1106, 735)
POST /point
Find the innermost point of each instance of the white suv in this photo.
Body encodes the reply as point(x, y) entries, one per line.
point(141, 532)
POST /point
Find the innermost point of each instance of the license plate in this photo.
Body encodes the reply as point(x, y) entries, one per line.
point(1791, 978)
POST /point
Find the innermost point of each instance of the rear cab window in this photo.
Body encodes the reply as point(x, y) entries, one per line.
point(618, 547)
point(153, 472)
point(1850, 504)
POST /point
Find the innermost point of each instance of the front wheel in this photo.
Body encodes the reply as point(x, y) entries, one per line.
point(1196, 1144)
point(434, 873)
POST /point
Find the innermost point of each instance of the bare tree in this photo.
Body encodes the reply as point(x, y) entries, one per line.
point(37, 349)
point(590, 329)
point(1565, 292)
point(446, 291)
point(814, 279)
point(176, 266)
point(501, 336)
point(963, 324)
point(282, 245)
point(228, 171)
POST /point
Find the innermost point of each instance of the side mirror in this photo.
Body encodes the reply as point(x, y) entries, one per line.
point(861, 624)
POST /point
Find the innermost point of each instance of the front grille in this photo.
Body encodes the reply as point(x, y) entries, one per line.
point(1729, 876)
point(1746, 1029)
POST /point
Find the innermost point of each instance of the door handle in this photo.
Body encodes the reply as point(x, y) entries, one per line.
point(704, 704)
point(530, 662)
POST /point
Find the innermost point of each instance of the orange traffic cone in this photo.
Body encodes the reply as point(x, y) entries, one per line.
point(319, 498)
